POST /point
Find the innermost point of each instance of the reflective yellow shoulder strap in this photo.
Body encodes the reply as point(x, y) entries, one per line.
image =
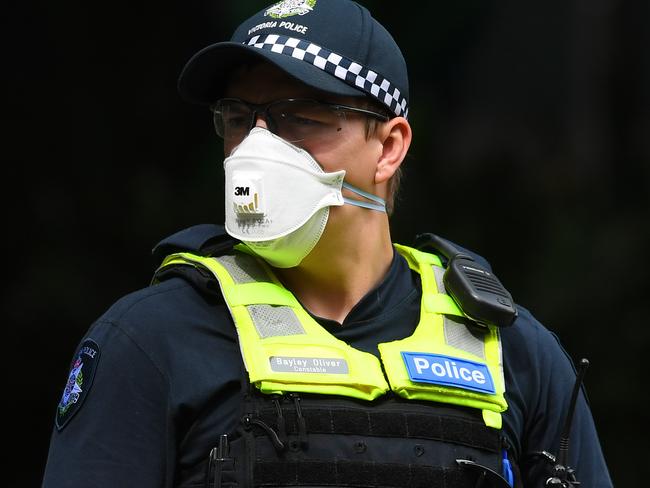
point(443, 360)
point(283, 347)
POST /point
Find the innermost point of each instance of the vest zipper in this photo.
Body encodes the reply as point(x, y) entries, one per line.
point(215, 463)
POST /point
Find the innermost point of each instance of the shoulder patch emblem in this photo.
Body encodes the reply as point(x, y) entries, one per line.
point(289, 8)
point(79, 382)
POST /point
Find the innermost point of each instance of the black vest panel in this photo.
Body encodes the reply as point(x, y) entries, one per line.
point(310, 440)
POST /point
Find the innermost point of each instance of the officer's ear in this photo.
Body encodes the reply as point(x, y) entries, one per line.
point(395, 137)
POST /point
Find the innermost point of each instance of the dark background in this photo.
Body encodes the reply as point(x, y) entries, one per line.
point(531, 147)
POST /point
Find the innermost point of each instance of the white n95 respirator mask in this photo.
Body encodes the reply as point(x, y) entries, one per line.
point(278, 198)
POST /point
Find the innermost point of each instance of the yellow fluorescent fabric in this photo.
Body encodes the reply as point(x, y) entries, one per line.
point(285, 349)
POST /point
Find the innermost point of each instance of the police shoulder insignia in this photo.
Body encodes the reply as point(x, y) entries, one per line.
point(289, 8)
point(79, 381)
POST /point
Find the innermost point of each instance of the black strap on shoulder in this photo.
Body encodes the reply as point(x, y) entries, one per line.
point(205, 283)
point(202, 239)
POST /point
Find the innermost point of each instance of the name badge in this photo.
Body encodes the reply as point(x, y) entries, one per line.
point(425, 367)
point(286, 364)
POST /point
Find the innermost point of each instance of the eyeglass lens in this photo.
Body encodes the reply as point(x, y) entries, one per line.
point(293, 120)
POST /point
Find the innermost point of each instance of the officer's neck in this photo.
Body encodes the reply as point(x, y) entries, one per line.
point(351, 258)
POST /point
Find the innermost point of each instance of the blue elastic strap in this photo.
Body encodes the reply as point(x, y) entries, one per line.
point(380, 206)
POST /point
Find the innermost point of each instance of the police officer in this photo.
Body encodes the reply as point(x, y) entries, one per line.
point(297, 345)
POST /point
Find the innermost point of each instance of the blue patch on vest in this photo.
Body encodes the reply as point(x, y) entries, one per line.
point(425, 367)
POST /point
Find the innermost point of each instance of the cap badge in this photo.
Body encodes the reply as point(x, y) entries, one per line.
point(288, 8)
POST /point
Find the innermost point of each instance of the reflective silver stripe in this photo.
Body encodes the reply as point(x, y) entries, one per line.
point(272, 321)
point(243, 268)
point(503, 377)
point(458, 335)
point(269, 320)
point(439, 273)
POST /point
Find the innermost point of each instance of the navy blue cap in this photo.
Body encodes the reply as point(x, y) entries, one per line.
point(331, 45)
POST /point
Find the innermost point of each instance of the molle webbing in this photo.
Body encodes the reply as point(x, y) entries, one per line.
point(347, 443)
point(391, 424)
point(340, 473)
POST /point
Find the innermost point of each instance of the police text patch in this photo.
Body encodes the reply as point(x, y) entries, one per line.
point(79, 381)
point(448, 371)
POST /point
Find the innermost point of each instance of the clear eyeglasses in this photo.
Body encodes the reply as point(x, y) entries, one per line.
point(296, 120)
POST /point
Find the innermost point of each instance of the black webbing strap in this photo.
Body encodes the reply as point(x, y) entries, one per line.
point(451, 429)
point(359, 475)
point(202, 281)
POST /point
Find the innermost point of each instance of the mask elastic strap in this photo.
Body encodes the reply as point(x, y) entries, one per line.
point(380, 204)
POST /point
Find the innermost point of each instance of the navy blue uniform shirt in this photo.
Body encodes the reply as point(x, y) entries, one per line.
point(164, 383)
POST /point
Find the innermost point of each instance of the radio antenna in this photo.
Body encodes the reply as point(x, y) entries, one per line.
point(562, 471)
point(563, 454)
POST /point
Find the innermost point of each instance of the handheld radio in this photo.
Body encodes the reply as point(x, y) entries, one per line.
point(477, 291)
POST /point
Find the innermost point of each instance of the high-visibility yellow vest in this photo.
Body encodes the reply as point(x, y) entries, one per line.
point(285, 350)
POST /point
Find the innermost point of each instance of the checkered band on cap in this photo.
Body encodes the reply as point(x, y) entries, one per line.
point(343, 68)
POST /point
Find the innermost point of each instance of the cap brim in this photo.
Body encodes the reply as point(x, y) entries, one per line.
point(205, 75)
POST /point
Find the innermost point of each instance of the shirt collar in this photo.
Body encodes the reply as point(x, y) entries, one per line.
point(393, 290)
